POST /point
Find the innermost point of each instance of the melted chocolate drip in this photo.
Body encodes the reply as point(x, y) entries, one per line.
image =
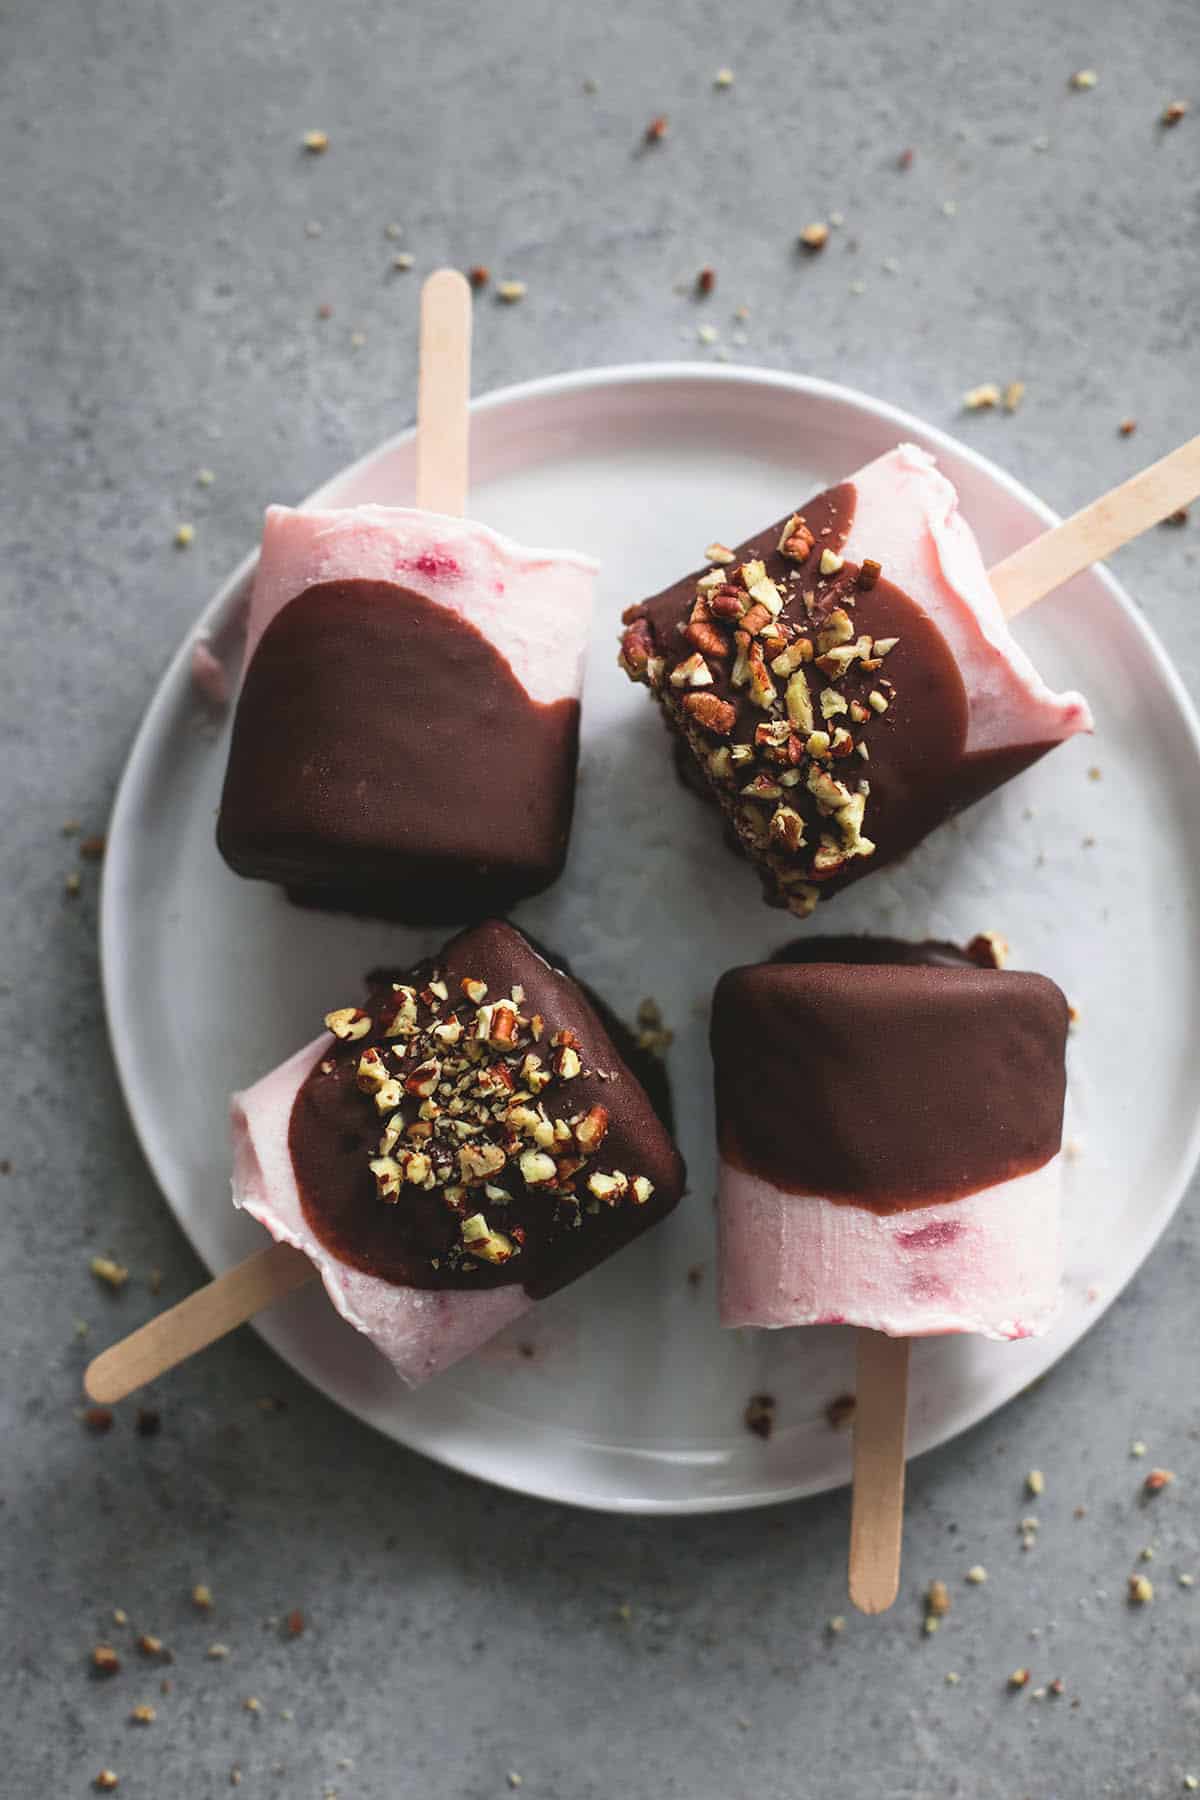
point(335, 1129)
point(386, 760)
point(911, 1079)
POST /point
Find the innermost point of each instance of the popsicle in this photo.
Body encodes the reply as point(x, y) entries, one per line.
point(890, 1124)
point(845, 681)
point(406, 732)
point(890, 1135)
point(467, 1141)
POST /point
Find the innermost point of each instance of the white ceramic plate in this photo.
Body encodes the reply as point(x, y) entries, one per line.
point(633, 1397)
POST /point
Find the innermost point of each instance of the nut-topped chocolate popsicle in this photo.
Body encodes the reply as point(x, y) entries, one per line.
point(845, 681)
point(466, 1142)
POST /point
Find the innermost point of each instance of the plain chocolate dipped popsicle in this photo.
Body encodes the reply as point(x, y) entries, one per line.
point(890, 1124)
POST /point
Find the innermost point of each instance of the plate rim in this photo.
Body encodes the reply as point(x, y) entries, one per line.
point(139, 763)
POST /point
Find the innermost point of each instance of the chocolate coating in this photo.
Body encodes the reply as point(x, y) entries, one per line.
point(335, 1129)
point(918, 770)
point(386, 760)
point(892, 1083)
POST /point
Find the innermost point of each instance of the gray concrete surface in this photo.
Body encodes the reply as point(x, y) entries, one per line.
point(159, 314)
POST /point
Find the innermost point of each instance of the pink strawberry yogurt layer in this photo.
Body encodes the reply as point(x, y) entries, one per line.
point(906, 517)
point(418, 1331)
point(534, 606)
point(987, 1263)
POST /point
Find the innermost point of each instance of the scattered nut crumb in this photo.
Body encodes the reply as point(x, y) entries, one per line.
point(316, 142)
point(1173, 111)
point(143, 1715)
point(510, 291)
point(988, 950)
point(1146, 1553)
point(840, 1411)
point(111, 1273)
point(836, 1625)
point(815, 236)
point(202, 1597)
point(652, 1034)
point(120, 1616)
point(980, 399)
point(937, 1599)
point(184, 536)
point(1140, 1590)
point(1137, 1448)
point(977, 1575)
point(72, 883)
point(403, 261)
point(952, 1678)
point(706, 280)
point(1157, 1480)
point(105, 1660)
point(1127, 427)
point(514, 1780)
point(106, 1781)
point(723, 78)
point(1014, 393)
point(479, 275)
point(92, 848)
point(358, 340)
point(1084, 79)
point(1035, 1481)
point(1178, 517)
point(217, 1652)
point(760, 1415)
point(656, 130)
point(905, 159)
point(235, 1776)
point(1019, 1678)
point(1187, 1581)
point(1191, 1783)
point(931, 1624)
point(707, 334)
point(149, 1645)
point(252, 1704)
point(325, 310)
point(295, 1623)
point(99, 1419)
point(950, 208)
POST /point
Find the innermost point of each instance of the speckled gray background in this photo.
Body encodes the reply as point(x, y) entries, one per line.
point(160, 298)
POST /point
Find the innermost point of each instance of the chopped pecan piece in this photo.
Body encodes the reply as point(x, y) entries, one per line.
point(637, 645)
point(714, 714)
point(796, 540)
point(708, 639)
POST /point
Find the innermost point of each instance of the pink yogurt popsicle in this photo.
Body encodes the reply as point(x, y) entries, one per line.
point(890, 1127)
point(468, 1141)
point(406, 733)
point(844, 681)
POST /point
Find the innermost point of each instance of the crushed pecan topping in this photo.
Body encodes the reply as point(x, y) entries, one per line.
point(775, 687)
point(461, 1083)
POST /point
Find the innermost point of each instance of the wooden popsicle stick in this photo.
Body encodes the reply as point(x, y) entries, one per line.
point(1099, 529)
point(877, 1506)
point(196, 1322)
point(443, 393)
